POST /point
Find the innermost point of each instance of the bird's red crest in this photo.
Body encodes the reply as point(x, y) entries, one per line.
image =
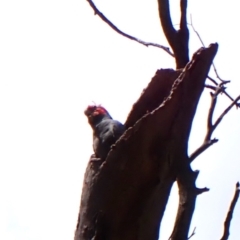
point(100, 110)
point(95, 110)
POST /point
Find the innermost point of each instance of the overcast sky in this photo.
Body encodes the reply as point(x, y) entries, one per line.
point(56, 57)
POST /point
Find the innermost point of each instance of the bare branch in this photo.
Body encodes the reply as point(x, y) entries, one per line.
point(200, 39)
point(226, 111)
point(202, 148)
point(178, 40)
point(183, 22)
point(193, 233)
point(210, 126)
point(220, 88)
point(114, 27)
point(202, 190)
point(212, 80)
point(230, 213)
point(229, 97)
point(214, 96)
point(188, 193)
point(166, 21)
point(198, 35)
point(210, 87)
point(224, 91)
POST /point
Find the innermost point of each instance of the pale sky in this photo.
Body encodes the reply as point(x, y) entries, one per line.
point(56, 57)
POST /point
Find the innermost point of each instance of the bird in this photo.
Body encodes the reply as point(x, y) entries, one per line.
point(106, 130)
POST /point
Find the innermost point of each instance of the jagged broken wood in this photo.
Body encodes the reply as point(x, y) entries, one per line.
point(125, 196)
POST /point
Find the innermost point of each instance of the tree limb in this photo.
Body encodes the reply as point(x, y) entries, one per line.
point(202, 148)
point(230, 213)
point(210, 87)
point(166, 21)
point(210, 126)
point(212, 80)
point(226, 111)
point(115, 28)
point(188, 193)
point(224, 91)
point(183, 21)
point(178, 40)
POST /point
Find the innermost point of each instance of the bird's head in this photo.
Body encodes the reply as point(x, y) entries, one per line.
point(95, 114)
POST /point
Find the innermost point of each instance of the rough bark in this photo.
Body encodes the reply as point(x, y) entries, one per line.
point(125, 196)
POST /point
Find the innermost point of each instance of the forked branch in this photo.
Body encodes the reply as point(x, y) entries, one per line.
point(208, 141)
point(214, 88)
point(228, 219)
point(193, 233)
point(115, 28)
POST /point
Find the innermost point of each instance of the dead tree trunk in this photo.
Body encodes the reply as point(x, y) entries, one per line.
point(125, 196)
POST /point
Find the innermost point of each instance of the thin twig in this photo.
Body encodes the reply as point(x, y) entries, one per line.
point(202, 148)
point(224, 91)
point(200, 39)
point(114, 27)
point(228, 219)
point(210, 126)
point(210, 87)
point(226, 111)
point(202, 190)
point(212, 80)
point(193, 233)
